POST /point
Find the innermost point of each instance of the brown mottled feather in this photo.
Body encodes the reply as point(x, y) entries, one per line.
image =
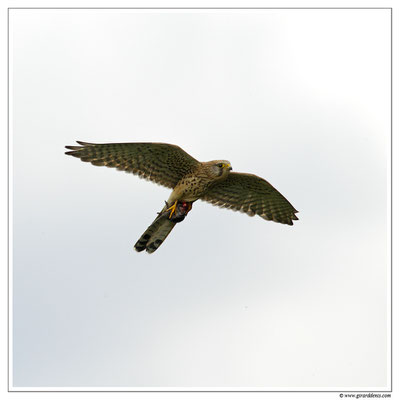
point(190, 180)
point(155, 234)
point(253, 195)
point(162, 163)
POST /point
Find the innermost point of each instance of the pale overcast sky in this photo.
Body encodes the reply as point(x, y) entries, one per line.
point(299, 97)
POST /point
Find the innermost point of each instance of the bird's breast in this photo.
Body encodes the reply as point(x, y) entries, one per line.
point(190, 188)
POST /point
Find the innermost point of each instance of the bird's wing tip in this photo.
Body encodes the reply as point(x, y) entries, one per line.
point(84, 143)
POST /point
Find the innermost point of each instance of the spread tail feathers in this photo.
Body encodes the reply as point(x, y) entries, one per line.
point(158, 231)
point(155, 234)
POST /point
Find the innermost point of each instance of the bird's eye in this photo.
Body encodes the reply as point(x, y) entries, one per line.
point(220, 165)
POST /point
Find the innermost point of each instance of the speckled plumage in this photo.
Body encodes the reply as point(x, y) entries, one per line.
point(161, 163)
point(190, 180)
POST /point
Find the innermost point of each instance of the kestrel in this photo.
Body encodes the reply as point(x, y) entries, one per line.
point(191, 180)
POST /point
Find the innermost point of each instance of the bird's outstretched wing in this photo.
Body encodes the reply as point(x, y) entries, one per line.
point(162, 163)
point(253, 195)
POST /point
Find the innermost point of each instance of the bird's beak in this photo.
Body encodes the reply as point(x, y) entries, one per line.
point(228, 167)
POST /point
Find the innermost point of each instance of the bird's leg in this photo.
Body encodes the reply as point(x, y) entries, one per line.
point(177, 212)
point(172, 209)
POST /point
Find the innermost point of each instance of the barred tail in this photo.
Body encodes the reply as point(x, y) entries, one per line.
point(155, 234)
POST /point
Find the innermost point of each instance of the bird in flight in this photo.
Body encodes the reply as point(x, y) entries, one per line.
point(191, 180)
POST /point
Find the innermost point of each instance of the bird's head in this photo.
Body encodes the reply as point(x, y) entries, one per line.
point(219, 168)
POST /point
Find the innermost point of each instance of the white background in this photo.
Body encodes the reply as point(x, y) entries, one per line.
point(299, 97)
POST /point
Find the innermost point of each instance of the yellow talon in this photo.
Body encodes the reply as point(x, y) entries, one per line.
point(172, 208)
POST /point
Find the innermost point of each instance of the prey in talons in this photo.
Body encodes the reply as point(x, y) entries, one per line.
point(166, 219)
point(178, 211)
